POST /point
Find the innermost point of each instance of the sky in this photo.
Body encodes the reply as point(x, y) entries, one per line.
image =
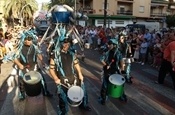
point(40, 1)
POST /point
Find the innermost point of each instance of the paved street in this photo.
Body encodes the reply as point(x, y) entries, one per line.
point(144, 96)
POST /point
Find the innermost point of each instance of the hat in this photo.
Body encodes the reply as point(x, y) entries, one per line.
point(29, 38)
point(67, 40)
point(113, 41)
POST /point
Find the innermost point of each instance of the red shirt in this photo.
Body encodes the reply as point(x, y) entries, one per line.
point(168, 49)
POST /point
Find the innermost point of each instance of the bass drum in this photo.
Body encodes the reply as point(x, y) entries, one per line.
point(116, 85)
point(75, 95)
point(32, 83)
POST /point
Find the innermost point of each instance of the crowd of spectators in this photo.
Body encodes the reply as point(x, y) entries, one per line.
point(146, 47)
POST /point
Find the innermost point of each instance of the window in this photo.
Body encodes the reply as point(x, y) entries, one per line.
point(100, 21)
point(119, 22)
point(141, 9)
point(122, 9)
point(43, 22)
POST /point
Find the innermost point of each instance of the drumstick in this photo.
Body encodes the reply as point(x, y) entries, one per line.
point(111, 62)
point(64, 86)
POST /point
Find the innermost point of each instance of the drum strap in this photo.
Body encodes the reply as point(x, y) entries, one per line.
point(116, 50)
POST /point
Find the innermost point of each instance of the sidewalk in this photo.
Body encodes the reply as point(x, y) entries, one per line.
point(5, 72)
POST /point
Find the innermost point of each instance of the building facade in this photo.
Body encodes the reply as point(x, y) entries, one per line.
point(123, 12)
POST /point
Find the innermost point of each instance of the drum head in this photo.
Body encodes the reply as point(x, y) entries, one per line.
point(128, 60)
point(32, 77)
point(75, 93)
point(117, 79)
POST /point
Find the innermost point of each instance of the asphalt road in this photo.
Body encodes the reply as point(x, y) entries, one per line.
point(144, 96)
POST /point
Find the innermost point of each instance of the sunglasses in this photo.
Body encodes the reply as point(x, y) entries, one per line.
point(29, 39)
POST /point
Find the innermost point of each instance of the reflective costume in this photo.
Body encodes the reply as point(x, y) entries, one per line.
point(27, 56)
point(64, 69)
point(124, 49)
point(62, 16)
point(112, 58)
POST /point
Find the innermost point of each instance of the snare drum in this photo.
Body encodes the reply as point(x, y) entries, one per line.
point(127, 60)
point(116, 87)
point(75, 95)
point(87, 45)
point(32, 83)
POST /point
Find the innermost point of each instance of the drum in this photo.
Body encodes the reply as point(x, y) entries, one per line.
point(127, 60)
point(75, 95)
point(87, 45)
point(32, 83)
point(116, 85)
point(61, 17)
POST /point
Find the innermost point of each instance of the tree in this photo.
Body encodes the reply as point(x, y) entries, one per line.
point(13, 9)
point(170, 21)
point(57, 2)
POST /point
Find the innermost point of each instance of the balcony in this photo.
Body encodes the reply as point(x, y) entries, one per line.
point(87, 10)
point(119, 12)
point(158, 14)
point(126, 1)
point(86, 1)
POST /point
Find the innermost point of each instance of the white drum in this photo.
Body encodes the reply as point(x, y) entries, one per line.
point(75, 96)
point(87, 45)
point(117, 79)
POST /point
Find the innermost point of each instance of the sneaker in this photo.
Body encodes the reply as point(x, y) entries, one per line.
point(22, 96)
point(48, 94)
point(101, 101)
point(129, 81)
point(86, 108)
point(123, 98)
point(142, 63)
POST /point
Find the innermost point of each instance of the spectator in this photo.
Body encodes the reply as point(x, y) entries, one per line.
point(143, 50)
point(168, 62)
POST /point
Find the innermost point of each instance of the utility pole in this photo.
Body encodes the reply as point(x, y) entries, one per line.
point(105, 12)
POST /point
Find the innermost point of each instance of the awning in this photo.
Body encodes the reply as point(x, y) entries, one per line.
point(96, 16)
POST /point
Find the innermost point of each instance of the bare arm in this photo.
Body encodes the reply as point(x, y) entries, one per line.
point(129, 48)
point(53, 73)
point(173, 57)
point(18, 63)
point(103, 62)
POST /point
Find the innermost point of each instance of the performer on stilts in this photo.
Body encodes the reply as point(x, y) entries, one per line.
point(64, 65)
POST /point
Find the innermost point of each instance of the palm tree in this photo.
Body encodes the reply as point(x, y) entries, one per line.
point(16, 9)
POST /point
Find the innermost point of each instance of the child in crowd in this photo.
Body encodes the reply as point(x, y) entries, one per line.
point(136, 53)
point(157, 54)
point(143, 50)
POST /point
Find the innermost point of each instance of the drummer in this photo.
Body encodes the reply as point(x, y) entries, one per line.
point(65, 71)
point(125, 49)
point(110, 62)
point(26, 60)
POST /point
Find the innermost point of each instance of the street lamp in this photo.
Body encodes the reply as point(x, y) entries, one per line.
point(22, 15)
